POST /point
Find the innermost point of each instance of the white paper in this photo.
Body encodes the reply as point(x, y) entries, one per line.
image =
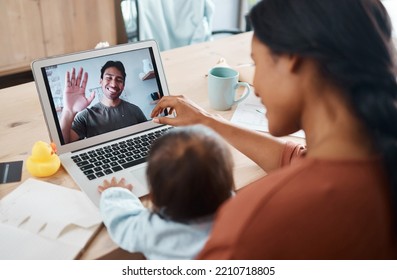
point(250, 113)
point(46, 214)
point(19, 244)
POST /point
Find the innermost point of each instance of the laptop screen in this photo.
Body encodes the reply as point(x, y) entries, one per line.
point(101, 77)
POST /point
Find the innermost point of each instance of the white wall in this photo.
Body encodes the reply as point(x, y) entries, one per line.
point(230, 14)
point(226, 14)
point(391, 7)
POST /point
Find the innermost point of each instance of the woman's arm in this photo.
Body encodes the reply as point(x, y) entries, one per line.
point(264, 150)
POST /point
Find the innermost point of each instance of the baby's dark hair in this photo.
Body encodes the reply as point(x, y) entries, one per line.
point(190, 173)
point(118, 64)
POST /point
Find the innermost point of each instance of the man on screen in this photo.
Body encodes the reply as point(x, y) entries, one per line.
point(111, 113)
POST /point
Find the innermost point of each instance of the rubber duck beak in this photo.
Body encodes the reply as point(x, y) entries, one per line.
point(54, 148)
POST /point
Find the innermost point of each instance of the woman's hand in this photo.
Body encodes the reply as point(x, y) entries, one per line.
point(187, 112)
point(113, 183)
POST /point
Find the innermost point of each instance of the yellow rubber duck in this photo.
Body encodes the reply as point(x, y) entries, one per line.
point(44, 161)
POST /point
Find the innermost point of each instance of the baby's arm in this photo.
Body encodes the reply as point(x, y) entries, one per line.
point(124, 216)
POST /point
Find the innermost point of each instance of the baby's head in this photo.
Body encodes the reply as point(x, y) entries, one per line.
point(190, 172)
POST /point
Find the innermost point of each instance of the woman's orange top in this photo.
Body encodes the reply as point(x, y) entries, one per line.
point(308, 209)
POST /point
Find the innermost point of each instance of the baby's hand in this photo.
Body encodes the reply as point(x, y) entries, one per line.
point(114, 183)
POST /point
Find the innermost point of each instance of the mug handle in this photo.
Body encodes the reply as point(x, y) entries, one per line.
point(246, 93)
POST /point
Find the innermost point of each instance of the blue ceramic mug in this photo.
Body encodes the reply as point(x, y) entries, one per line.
point(222, 86)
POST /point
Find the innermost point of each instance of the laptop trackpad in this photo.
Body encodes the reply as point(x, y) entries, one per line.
point(140, 184)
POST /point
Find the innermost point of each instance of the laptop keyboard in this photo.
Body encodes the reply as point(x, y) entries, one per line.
point(115, 157)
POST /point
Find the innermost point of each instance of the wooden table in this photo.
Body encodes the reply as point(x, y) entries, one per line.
point(22, 122)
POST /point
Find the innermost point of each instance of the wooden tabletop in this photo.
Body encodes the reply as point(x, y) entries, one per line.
point(22, 122)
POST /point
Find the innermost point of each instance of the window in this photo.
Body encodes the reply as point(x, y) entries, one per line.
point(391, 7)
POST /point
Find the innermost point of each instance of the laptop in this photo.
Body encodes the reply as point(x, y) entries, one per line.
point(120, 151)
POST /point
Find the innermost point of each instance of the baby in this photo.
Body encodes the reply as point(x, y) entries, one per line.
point(190, 174)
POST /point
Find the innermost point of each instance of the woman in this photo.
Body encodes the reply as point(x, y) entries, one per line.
point(326, 67)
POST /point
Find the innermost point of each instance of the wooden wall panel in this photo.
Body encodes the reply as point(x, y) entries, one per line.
point(76, 25)
point(21, 34)
point(36, 28)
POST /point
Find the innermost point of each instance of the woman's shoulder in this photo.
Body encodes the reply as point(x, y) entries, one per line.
point(284, 214)
point(313, 176)
point(322, 186)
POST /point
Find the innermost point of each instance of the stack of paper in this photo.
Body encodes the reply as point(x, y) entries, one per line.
point(250, 113)
point(39, 220)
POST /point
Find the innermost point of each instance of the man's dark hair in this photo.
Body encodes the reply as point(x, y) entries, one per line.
point(190, 173)
point(117, 64)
